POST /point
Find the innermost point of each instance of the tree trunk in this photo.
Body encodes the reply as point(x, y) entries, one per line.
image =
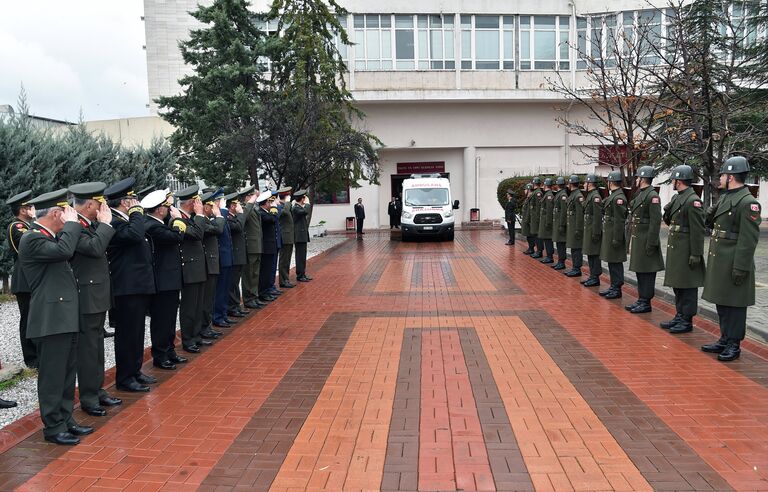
point(6, 285)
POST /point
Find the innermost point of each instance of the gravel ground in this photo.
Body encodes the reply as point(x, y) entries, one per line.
point(25, 392)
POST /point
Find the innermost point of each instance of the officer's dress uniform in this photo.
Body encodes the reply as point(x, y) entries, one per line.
point(269, 250)
point(593, 233)
point(685, 263)
point(214, 227)
point(21, 289)
point(645, 257)
point(613, 248)
point(546, 223)
point(193, 276)
point(285, 220)
point(560, 226)
point(510, 209)
point(535, 211)
point(301, 238)
point(254, 238)
point(223, 284)
point(277, 209)
point(239, 260)
point(525, 224)
point(574, 211)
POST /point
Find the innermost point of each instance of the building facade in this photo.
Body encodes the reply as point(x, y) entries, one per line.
point(451, 86)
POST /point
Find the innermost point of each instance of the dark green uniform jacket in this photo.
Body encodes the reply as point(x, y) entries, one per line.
point(300, 222)
point(593, 223)
point(192, 254)
point(253, 234)
point(575, 216)
point(286, 224)
point(45, 261)
point(535, 209)
point(613, 248)
point(560, 217)
point(685, 217)
point(645, 223)
point(15, 230)
point(545, 216)
point(237, 231)
point(92, 268)
point(525, 221)
point(214, 227)
point(732, 247)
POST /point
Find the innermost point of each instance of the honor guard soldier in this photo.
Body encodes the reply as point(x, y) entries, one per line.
point(593, 231)
point(300, 210)
point(613, 248)
point(574, 211)
point(254, 238)
point(730, 277)
point(24, 214)
point(510, 209)
point(236, 221)
point(269, 243)
point(546, 221)
point(133, 284)
point(91, 269)
point(165, 237)
point(221, 303)
point(685, 250)
point(525, 221)
point(285, 220)
point(54, 322)
point(192, 224)
point(560, 222)
point(214, 227)
point(644, 244)
point(275, 209)
point(535, 211)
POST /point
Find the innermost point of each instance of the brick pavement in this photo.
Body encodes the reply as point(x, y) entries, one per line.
point(431, 366)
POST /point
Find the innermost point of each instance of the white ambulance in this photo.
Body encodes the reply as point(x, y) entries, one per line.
point(427, 207)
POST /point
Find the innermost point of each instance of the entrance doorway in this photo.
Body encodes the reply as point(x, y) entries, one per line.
point(405, 169)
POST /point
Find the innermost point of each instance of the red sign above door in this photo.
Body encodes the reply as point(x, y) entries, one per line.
point(420, 167)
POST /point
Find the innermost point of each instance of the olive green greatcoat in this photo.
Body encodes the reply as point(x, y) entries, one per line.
point(545, 215)
point(301, 222)
point(613, 248)
point(253, 235)
point(525, 222)
point(574, 211)
point(732, 247)
point(91, 267)
point(685, 217)
point(593, 223)
point(645, 224)
point(214, 227)
point(535, 210)
point(560, 216)
point(286, 223)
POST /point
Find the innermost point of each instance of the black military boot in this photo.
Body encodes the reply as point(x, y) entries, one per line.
point(630, 307)
point(559, 266)
point(547, 260)
point(669, 324)
point(573, 273)
point(715, 348)
point(643, 306)
point(592, 282)
point(605, 292)
point(683, 326)
point(731, 352)
point(537, 255)
point(528, 251)
point(613, 294)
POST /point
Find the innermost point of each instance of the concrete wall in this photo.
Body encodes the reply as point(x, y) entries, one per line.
point(132, 131)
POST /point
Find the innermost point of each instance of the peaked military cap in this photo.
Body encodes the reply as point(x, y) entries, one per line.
point(89, 191)
point(574, 179)
point(614, 177)
point(156, 199)
point(645, 172)
point(285, 190)
point(146, 191)
point(683, 173)
point(248, 190)
point(188, 193)
point(735, 165)
point(300, 194)
point(264, 196)
point(560, 180)
point(548, 182)
point(20, 198)
point(121, 189)
point(232, 197)
point(211, 196)
point(56, 198)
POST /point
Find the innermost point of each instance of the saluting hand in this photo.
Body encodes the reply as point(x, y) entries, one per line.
point(69, 215)
point(216, 210)
point(198, 207)
point(253, 198)
point(238, 208)
point(175, 214)
point(104, 215)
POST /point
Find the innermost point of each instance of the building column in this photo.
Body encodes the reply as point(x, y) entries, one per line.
point(470, 200)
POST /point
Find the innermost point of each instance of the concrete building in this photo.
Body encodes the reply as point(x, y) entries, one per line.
point(451, 86)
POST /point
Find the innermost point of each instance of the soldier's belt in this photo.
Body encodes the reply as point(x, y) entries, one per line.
point(725, 235)
point(641, 221)
point(678, 228)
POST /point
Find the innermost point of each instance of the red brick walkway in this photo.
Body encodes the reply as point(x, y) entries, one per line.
point(430, 366)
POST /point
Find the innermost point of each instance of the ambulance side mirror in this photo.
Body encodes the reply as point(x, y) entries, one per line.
point(455, 204)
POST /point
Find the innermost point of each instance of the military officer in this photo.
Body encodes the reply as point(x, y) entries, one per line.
point(24, 214)
point(214, 227)
point(253, 246)
point(525, 222)
point(575, 225)
point(730, 278)
point(613, 247)
point(593, 231)
point(268, 216)
point(276, 208)
point(560, 222)
point(165, 238)
point(45, 252)
point(510, 209)
point(192, 224)
point(91, 270)
point(300, 210)
point(133, 284)
point(236, 221)
point(645, 257)
point(286, 230)
point(546, 221)
point(221, 303)
point(685, 250)
point(535, 217)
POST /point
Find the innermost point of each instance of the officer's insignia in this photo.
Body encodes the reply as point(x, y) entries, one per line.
point(564, 197)
point(755, 207)
point(180, 225)
point(619, 202)
point(655, 200)
point(581, 198)
point(697, 204)
point(21, 227)
point(597, 199)
point(549, 197)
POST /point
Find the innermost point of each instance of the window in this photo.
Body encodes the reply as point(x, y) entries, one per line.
point(270, 29)
point(426, 197)
point(343, 48)
point(582, 44)
point(487, 42)
point(544, 42)
point(405, 43)
point(373, 40)
point(441, 41)
point(327, 194)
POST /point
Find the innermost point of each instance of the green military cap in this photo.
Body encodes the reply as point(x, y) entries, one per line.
point(121, 189)
point(89, 191)
point(591, 178)
point(574, 179)
point(56, 198)
point(209, 189)
point(188, 193)
point(645, 172)
point(683, 173)
point(20, 198)
point(560, 180)
point(232, 198)
point(285, 190)
point(536, 180)
point(146, 191)
point(735, 165)
point(615, 177)
point(248, 190)
point(300, 194)
point(211, 196)
point(548, 182)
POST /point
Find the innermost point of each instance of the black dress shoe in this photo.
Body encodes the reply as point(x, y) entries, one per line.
point(547, 261)
point(177, 359)
point(8, 403)
point(573, 273)
point(528, 252)
point(683, 326)
point(302, 279)
point(287, 286)
point(133, 387)
point(275, 292)
point(80, 430)
point(559, 266)
point(215, 332)
point(192, 349)
point(146, 379)
point(537, 255)
point(630, 307)
point(205, 342)
point(614, 294)
point(209, 335)
point(669, 324)
point(236, 314)
point(605, 292)
point(306, 277)
point(254, 305)
point(109, 401)
point(63, 438)
point(641, 308)
point(266, 298)
point(716, 347)
point(509, 243)
point(164, 364)
point(731, 352)
point(95, 411)
point(592, 282)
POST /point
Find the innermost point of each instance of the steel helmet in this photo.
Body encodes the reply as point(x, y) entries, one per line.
point(615, 177)
point(573, 179)
point(683, 173)
point(645, 172)
point(536, 180)
point(735, 165)
point(560, 181)
point(591, 178)
point(548, 182)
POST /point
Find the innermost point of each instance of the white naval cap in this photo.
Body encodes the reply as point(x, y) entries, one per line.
point(264, 196)
point(156, 198)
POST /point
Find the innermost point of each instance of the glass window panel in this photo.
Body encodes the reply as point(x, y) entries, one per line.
point(545, 21)
point(450, 65)
point(386, 65)
point(360, 65)
point(423, 65)
point(372, 44)
point(564, 65)
point(509, 65)
point(448, 21)
point(509, 53)
point(487, 65)
point(582, 43)
point(486, 22)
point(386, 21)
point(372, 21)
point(466, 44)
point(525, 21)
point(423, 45)
point(540, 65)
point(386, 44)
point(581, 65)
point(581, 23)
point(487, 45)
point(629, 18)
point(564, 45)
point(596, 43)
point(373, 64)
point(525, 65)
point(404, 45)
point(436, 46)
point(359, 21)
point(435, 21)
point(422, 21)
point(342, 21)
point(525, 45)
point(466, 21)
point(404, 21)
point(405, 65)
point(509, 21)
point(360, 42)
point(544, 42)
point(610, 20)
point(437, 65)
point(466, 65)
point(449, 44)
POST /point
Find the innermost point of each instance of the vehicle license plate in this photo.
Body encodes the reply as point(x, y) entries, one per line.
point(428, 228)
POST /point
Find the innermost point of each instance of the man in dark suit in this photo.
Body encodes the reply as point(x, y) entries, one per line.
point(394, 214)
point(165, 241)
point(285, 219)
point(133, 284)
point(221, 301)
point(253, 246)
point(214, 228)
point(300, 210)
point(45, 251)
point(359, 217)
point(269, 243)
point(236, 220)
point(510, 209)
point(92, 274)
